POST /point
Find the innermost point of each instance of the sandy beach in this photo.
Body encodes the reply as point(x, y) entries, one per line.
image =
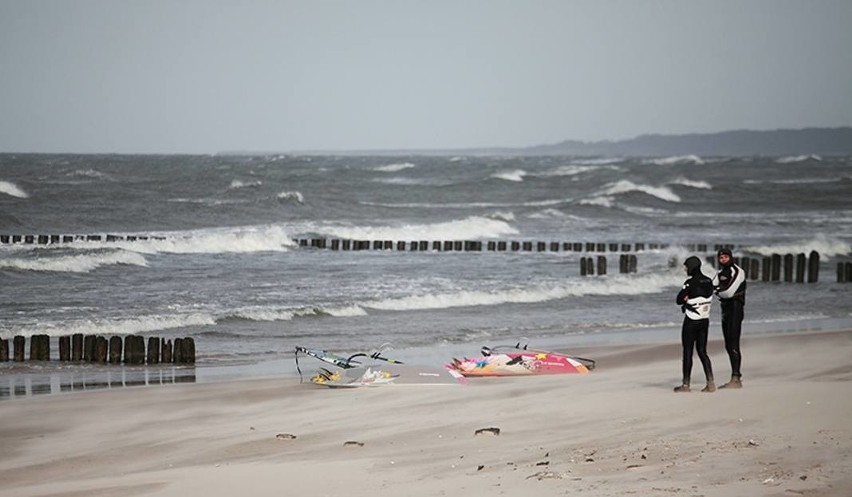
point(619, 430)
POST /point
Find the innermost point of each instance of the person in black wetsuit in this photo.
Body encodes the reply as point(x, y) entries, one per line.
point(695, 298)
point(731, 288)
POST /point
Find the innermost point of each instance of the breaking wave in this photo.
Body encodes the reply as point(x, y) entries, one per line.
point(517, 175)
point(82, 263)
point(823, 245)
point(470, 228)
point(797, 158)
point(119, 326)
point(291, 196)
point(617, 285)
point(626, 186)
point(679, 159)
point(692, 183)
point(12, 189)
point(237, 184)
point(392, 168)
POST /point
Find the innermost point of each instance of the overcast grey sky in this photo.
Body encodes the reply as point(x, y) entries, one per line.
point(201, 76)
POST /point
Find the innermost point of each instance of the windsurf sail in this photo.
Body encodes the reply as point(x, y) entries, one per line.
point(588, 363)
point(348, 362)
point(517, 360)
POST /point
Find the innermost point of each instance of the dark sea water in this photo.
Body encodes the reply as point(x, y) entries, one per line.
point(226, 270)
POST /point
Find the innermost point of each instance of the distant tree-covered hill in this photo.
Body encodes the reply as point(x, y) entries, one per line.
point(782, 142)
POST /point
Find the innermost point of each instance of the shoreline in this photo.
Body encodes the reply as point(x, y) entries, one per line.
point(619, 430)
point(29, 379)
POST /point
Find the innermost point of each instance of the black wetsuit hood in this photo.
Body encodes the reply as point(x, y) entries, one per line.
point(693, 265)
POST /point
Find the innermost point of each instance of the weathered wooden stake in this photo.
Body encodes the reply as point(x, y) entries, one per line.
point(134, 349)
point(89, 348)
point(166, 356)
point(65, 348)
point(115, 349)
point(18, 342)
point(153, 350)
point(813, 267)
point(77, 347)
point(178, 352)
point(755, 269)
point(601, 265)
point(4, 350)
point(788, 268)
point(39, 348)
point(767, 268)
point(188, 351)
point(100, 354)
point(841, 272)
point(776, 267)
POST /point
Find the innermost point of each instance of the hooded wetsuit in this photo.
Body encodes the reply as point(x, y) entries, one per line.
point(731, 290)
point(695, 299)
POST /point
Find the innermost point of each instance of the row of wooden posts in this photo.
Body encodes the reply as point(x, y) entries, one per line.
point(798, 268)
point(421, 245)
point(97, 349)
point(589, 265)
point(788, 268)
point(490, 245)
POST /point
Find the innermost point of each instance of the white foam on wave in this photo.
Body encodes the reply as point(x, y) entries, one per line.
point(238, 184)
point(580, 167)
point(570, 170)
point(617, 285)
point(703, 185)
point(294, 196)
point(600, 201)
point(82, 263)
point(392, 168)
point(212, 241)
point(678, 159)
point(88, 173)
point(626, 186)
point(792, 159)
point(403, 181)
point(12, 189)
point(471, 228)
point(517, 175)
point(261, 313)
point(116, 326)
point(825, 246)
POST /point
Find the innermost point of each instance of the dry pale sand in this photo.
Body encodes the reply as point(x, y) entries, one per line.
point(617, 431)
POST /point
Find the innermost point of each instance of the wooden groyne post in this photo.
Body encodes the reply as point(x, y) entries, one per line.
point(98, 349)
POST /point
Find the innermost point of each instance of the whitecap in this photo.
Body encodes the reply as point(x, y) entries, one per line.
point(12, 189)
point(516, 175)
point(471, 228)
point(823, 245)
point(692, 183)
point(116, 326)
point(616, 285)
point(83, 263)
point(294, 196)
point(237, 184)
point(626, 186)
point(392, 168)
point(213, 241)
point(678, 159)
point(797, 158)
point(601, 201)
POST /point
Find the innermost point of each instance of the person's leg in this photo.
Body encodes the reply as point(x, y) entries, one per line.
point(687, 339)
point(702, 329)
point(732, 318)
